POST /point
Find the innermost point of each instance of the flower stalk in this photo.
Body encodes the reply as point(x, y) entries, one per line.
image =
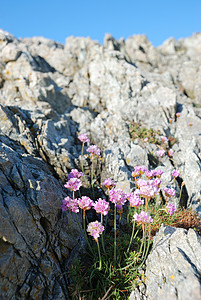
point(115, 234)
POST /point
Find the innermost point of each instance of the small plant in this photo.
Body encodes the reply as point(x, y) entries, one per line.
point(182, 218)
point(150, 135)
point(172, 140)
point(127, 223)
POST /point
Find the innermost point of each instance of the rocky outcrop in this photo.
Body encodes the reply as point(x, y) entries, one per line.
point(49, 93)
point(173, 267)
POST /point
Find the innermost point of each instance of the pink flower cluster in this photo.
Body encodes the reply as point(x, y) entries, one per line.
point(164, 139)
point(160, 153)
point(117, 196)
point(139, 170)
point(85, 203)
point(171, 208)
point(109, 183)
point(95, 229)
point(73, 184)
point(70, 204)
point(101, 206)
point(153, 173)
point(158, 173)
point(170, 153)
point(93, 149)
point(148, 188)
point(83, 138)
point(169, 192)
point(150, 174)
point(175, 173)
point(135, 200)
point(142, 217)
point(74, 174)
point(157, 182)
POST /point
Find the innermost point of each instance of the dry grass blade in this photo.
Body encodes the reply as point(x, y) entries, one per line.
point(106, 294)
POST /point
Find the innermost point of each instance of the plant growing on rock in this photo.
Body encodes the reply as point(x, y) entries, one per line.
point(126, 227)
point(137, 130)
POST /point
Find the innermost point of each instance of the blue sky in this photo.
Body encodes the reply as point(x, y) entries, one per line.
point(58, 19)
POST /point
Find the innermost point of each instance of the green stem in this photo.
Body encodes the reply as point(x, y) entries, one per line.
point(149, 240)
point(102, 241)
point(69, 220)
point(92, 170)
point(146, 202)
point(144, 241)
point(115, 234)
point(106, 219)
point(84, 220)
point(131, 239)
point(85, 234)
point(100, 262)
point(128, 214)
point(82, 166)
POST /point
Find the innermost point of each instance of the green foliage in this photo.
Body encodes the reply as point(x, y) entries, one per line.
point(109, 269)
point(182, 218)
point(117, 281)
point(137, 130)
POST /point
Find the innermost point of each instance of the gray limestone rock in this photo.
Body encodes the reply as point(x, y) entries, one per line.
point(173, 268)
point(51, 92)
point(34, 241)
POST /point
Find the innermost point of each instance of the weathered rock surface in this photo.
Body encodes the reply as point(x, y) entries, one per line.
point(173, 267)
point(49, 93)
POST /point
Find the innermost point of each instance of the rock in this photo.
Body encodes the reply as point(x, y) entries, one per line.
point(51, 92)
point(173, 266)
point(32, 228)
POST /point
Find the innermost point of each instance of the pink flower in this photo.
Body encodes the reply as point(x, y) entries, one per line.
point(158, 173)
point(83, 138)
point(142, 217)
point(137, 192)
point(164, 139)
point(93, 150)
point(73, 184)
point(171, 208)
point(178, 114)
point(95, 229)
point(170, 152)
point(146, 140)
point(101, 206)
point(135, 200)
point(170, 120)
point(169, 192)
point(150, 174)
point(157, 182)
point(175, 173)
point(117, 196)
point(109, 183)
point(139, 170)
point(160, 153)
point(74, 174)
point(85, 203)
point(147, 188)
point(70, 204)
